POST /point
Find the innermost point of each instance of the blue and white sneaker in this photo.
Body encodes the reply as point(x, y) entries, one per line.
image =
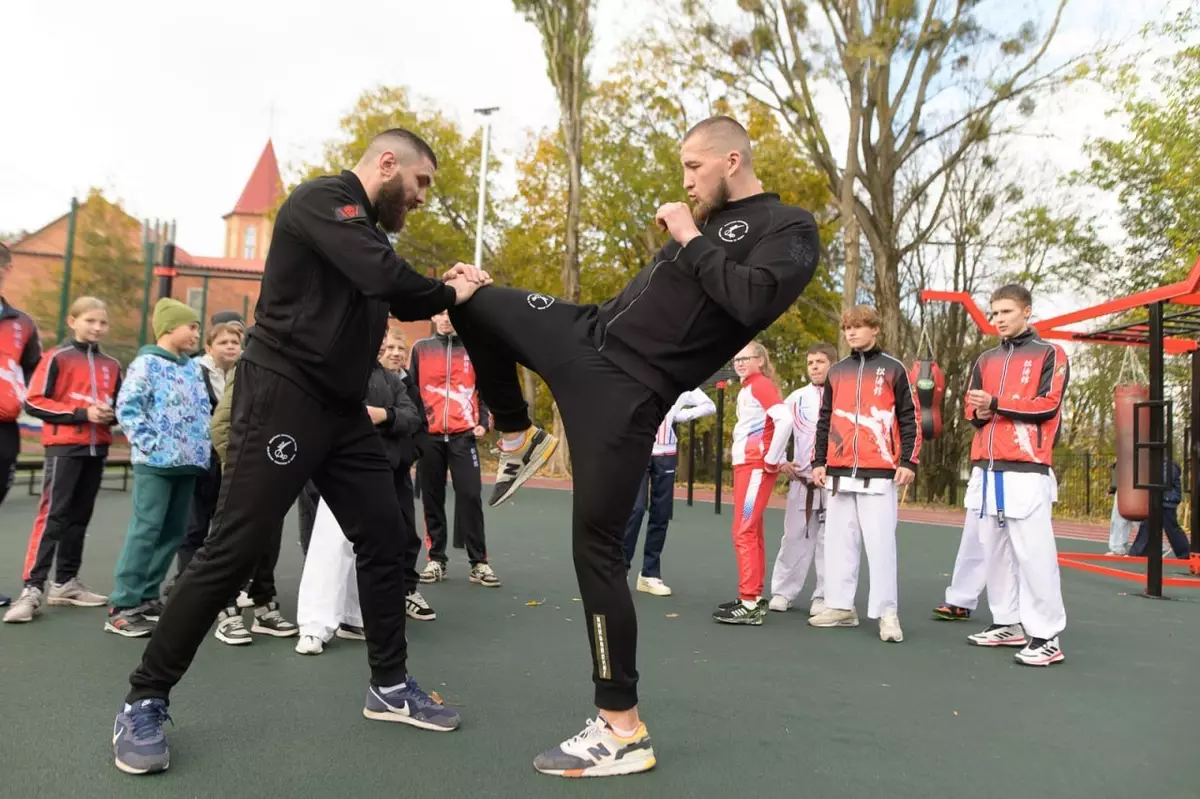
point(4, 600)
point(139, 743)
point(408, 704)
point(598, 752)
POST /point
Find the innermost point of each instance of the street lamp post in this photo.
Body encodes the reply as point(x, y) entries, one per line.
point(483, 167)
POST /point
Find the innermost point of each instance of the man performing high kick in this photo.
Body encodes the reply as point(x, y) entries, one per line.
point(733, 264)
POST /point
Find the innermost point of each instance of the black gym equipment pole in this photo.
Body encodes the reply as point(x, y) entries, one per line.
point(691, 459)
point(166, 273)
point(720, 447)
point(1192, 454)
point(1158, 449)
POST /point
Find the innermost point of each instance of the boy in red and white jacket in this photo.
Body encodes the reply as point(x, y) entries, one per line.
point(760, 440)
point(72, 391)
point(1015, 403)
point(867, 443)
point(20, 350)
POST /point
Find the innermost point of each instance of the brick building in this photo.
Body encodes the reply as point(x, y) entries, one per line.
point(207, 283)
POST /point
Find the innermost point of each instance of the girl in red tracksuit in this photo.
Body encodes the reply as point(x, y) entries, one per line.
point(760, 440)
point(73, 391)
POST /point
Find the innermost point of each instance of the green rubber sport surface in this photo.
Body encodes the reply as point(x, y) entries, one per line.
point(778, 710)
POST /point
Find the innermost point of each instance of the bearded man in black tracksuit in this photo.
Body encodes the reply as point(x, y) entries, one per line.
point(330, 280)
point(732, 266)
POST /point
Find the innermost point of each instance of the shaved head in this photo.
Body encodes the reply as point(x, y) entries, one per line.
point(406, 145)
point(723, 135)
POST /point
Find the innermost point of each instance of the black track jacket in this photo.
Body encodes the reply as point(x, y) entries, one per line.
point(330, 279)
point(694, 307)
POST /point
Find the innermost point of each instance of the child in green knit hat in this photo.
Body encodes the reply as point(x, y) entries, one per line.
point(163, 409)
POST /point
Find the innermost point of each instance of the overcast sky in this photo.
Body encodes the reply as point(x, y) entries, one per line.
point(168, 105)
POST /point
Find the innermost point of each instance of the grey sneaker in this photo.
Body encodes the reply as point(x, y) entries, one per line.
point(76, 594)
point(269, 621)
point(517, 467)
point(128, 623)
point(28, 605)
point(482, 574)
point(231, 629)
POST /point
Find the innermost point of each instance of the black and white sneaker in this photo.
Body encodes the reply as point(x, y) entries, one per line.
point(350, 632)
point(153, 610)
point(753, 613)
point(269, 621)
point(417, 608)
point(231, 629)
point(999, 635)
point(517, 467)
point(1040, 652)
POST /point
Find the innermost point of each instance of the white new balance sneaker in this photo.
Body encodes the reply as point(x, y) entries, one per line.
point(598, 752)
point(832, 617)
point(779, 603)
point(653, 585)
point(889, 628)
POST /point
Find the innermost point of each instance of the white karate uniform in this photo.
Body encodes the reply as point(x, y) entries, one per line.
point(970, 566)
point(803, 542)
point(329, 582)
point(1021, 557)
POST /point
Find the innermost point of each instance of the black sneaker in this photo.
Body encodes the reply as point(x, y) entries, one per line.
point(269, 621)
point(517, 467)
point(948, 612)
point(740, 614)
point(351, 632)
point(128, 623)
point(153, 610)
point(231, 629)
point(417, 608)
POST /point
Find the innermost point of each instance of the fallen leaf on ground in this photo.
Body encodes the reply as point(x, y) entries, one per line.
point(576, 599)
point(672, 615)
point(956, 712)
point(533, 603)
point(436, 697)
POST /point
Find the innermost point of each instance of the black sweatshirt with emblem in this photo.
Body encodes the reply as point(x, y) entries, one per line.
point(330, 280)
point(690, 311)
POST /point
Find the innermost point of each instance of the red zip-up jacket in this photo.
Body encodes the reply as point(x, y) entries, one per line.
point(20, 350)
point(68, 380)
point(1027, 378)
point(441, 369)
point(868, 422)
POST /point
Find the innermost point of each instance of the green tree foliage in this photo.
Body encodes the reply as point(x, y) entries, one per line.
point(443, 232)
point(108, 264)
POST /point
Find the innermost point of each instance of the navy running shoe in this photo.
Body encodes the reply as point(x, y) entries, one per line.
point(139, 743)
point(408, 704)
point(4, 600)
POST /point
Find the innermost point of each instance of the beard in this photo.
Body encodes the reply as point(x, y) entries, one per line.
point(703, 209)
point(392, 205)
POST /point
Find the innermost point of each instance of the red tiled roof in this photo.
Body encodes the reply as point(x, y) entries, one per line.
point(265, 186)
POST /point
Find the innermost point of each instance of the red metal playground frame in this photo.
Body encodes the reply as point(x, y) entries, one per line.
point(1176, 333)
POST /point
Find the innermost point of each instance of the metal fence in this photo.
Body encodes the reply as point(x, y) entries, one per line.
point(1083, 477)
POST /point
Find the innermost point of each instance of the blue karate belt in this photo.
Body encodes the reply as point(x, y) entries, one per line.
point(999, 497)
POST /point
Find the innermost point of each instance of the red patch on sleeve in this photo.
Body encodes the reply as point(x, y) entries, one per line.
point(348, 212)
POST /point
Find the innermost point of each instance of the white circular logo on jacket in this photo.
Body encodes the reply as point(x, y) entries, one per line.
point(281, 449)
point(733, 231)
point(539, 302)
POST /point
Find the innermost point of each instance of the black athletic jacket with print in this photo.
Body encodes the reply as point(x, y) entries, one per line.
point(330, 279)
point(690, 311)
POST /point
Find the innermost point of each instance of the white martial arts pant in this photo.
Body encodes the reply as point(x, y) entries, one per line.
point(970, 565)
point(803, 543)
point(329, 583)
point(1120, 530)
point(1022, 558)
point(852, 522)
